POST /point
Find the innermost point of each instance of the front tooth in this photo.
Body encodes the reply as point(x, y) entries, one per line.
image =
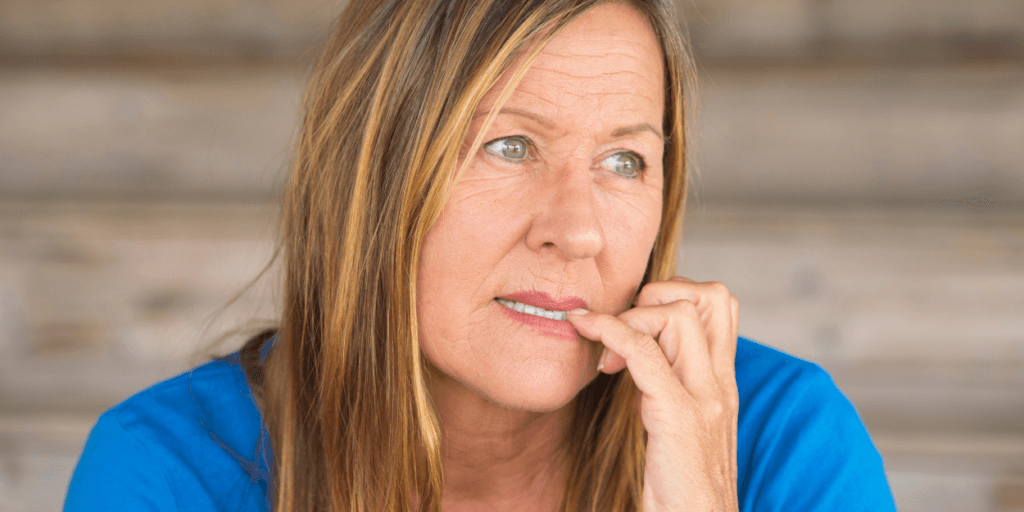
point(532, 310)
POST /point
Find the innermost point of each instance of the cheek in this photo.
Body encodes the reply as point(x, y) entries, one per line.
point(434, 312)
point(631, 229)
point(631, 222)
point(460, 251)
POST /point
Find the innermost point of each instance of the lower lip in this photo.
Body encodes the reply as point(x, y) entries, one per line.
point(557, 328)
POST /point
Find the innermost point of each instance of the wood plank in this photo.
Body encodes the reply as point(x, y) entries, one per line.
point(916, 312)
point(157, 132)
point(132, 284)
point(896, 137)
point(854, 137)
point(749, 31)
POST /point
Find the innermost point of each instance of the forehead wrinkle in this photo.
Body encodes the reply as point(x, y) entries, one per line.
point(554, 101)
point(618, 83)
point(581, 75)
point(621, 47)
point(602, 56)
point(545, 99)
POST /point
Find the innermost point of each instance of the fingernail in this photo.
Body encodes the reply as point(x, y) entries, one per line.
point(600, 364)
point(577, 311)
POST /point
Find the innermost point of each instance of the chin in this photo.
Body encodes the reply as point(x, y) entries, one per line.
point(539, 390)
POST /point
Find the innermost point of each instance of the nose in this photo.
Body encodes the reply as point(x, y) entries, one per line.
point(568, 220)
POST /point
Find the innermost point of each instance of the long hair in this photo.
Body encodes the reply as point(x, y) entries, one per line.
point(343, 392)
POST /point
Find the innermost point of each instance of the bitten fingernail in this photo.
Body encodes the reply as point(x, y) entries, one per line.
point(577, 311)
point(600, 364)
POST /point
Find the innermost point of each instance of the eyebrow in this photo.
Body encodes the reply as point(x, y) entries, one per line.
point(637, 128)
point(547, 123)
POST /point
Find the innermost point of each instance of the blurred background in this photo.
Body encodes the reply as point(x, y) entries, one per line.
point(860, 190)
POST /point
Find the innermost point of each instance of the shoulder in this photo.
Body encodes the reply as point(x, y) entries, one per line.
point(209, 399)
point(191, 441)
point(801, 443)
point(759, 364)
point(774, 385)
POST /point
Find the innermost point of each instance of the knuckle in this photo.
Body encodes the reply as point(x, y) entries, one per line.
point(717, 288)
point(734, 404)
point(684, 307)
point(647, 294)
point(714, 409)
point(731, 396)
point(645, 345)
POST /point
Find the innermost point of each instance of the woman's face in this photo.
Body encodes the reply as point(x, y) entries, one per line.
point(559, 208)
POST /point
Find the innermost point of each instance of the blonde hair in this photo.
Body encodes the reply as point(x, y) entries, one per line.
point(343, 392)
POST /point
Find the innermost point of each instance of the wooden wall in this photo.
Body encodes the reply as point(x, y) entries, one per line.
point(845, 147)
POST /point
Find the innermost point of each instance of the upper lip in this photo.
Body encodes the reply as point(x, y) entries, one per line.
point(545, 301)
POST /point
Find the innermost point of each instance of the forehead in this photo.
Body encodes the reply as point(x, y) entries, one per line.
point(608, 58)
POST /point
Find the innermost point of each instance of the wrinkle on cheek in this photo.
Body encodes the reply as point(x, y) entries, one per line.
point(488, 191)
point(488, 351)
point(624, 196)
point(624, 207)
point(640, 229)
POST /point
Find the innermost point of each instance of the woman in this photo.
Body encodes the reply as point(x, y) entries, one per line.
point(479, 237)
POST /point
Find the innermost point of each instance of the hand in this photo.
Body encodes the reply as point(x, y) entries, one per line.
point(679, 344)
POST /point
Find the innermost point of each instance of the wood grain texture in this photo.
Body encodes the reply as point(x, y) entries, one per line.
point(883, 137)
point(914, 311)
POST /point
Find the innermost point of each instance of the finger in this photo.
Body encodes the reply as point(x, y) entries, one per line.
point(613, 363)
point(679, 338)
point(714, 305)
point(680, 334)
point(721, 339)
point(735, 306)
point(647, 364)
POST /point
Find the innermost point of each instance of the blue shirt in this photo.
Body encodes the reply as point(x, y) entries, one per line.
point(191, 443)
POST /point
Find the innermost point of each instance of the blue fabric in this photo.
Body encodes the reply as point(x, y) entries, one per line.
point(190, 444)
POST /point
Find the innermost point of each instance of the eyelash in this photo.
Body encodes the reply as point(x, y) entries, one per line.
point(529, 145)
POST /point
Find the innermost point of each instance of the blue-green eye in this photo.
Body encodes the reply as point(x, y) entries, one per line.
point(626, 163)
point(509, 148)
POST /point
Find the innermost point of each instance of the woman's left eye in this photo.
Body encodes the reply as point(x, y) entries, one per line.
point(510, 148)
point(626, 163)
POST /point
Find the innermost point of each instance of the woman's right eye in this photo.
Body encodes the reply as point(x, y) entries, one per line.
point(514, 148)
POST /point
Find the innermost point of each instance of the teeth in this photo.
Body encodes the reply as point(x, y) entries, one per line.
point(532, 310)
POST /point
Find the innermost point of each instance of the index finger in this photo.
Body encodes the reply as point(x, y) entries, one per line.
point(646, 362)
point(717, 308)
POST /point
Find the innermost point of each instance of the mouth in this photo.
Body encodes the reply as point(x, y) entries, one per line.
point(543, 301)
point(520, 307)
point(542, 312)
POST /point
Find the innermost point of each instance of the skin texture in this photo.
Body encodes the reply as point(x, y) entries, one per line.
point(565, 220)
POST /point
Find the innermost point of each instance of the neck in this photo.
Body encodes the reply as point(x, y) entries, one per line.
point(494, 456)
